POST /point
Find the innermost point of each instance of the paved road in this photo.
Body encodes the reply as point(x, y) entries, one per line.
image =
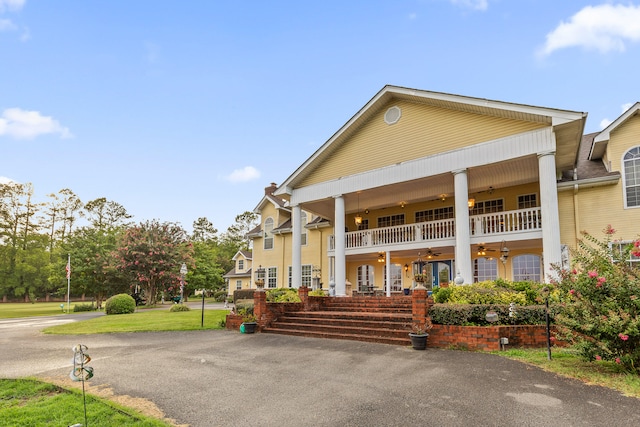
point(223, 378)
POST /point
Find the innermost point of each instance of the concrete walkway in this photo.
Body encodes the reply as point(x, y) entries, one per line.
point(224, 378)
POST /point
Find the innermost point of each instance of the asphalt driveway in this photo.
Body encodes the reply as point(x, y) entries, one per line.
point(224, 378)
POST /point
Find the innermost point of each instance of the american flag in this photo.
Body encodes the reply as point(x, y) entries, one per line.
point(67, 268)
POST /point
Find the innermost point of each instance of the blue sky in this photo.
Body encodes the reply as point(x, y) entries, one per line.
point(180, 110)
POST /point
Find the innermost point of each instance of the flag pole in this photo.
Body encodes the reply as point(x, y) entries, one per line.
point(68, 283)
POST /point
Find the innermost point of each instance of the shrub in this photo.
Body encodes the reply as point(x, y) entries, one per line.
point(317, 293)
point(84, 307)
point(484, 293)
point(220, 296)
point(243, 294)
point(475, 314)
point(120, 304)
point(602, 301)
point(283, 295)
point(247, 314)
point(179, 307)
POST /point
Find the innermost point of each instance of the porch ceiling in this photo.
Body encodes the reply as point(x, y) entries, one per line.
point(513, 172)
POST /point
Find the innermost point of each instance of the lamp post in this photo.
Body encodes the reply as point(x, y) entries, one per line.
point(183, 272)
point(504, 254)
point(545, 294)
point(260, 278)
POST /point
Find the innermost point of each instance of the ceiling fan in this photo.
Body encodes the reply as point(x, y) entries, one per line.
point(482, 250)
point(430, 254)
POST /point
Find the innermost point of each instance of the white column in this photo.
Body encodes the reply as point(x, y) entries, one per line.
point(388, 267)
point(340, 259)
point(551, 247)
point(463, 233)
point(296, 249)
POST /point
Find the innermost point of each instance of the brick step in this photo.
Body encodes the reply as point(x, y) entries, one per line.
point(352, 315)
point(368, 309)
point(342, 336)
point(395, 324)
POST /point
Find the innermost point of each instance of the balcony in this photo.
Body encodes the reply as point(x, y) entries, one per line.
point(432, 232)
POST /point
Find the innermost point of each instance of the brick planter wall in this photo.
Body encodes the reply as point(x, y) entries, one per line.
point(487, 338)
point(233, 321)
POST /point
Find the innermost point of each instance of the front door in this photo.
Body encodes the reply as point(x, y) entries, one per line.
point(441, 273)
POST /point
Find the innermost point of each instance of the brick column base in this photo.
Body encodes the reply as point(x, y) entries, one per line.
point(260, 308)
point(420, 309)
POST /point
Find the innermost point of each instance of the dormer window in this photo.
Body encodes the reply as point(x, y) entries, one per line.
point(268, 233)
point(240, 264)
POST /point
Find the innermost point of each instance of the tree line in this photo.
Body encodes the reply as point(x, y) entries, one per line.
point(109, 252)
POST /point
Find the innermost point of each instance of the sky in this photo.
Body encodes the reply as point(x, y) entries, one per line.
point(181, 110)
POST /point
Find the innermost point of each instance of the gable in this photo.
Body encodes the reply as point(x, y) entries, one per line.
point(422, 130)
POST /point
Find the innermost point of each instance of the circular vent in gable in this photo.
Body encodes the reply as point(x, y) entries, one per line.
point(392, 115)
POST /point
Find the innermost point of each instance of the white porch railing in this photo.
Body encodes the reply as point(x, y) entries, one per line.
point(432, 231)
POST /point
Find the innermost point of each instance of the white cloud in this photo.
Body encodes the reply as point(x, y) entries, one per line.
point(604, 28)
point(472, 4)
point(22, 124)
point(11, 4)
point(245, 174)
point(623, 108)
point(7, 25)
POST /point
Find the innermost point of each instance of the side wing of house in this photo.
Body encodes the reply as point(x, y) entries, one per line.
point(606, 188)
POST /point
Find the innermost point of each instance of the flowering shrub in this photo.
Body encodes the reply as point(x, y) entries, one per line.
point(601, 299)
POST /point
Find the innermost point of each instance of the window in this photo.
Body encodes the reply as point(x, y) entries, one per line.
point(620, 249)
point(631, 166)
point(485, 269)
point(526, 267)
point(396, 278)
point(365, 278)
point(364, 225)
point(306, 275)
point(238, 284)
point(391, 220)
point(303, 232)
point(272, 277)
point(240, 264)
point(435, 214)
point(527, 201)
point(268, 233)
point(487, 206)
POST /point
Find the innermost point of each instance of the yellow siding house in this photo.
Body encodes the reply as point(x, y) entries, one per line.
point(447, 188)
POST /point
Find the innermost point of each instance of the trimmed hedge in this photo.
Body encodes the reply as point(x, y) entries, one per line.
point(179, 307)
point(120, 304)
point(474, 314)
point(84, 307)
point(243, 294)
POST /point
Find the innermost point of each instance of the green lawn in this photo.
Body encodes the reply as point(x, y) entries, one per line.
point(144, 321)
point(566, 362)
point(11, 310)
point(27, 402)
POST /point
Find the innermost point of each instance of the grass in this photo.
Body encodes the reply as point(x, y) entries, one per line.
point(143, 321)
point(29, 402)
point(11, 310)
point(566, 362)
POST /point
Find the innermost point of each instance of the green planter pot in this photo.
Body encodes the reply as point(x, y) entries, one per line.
point(250, 327)
point(419, 341)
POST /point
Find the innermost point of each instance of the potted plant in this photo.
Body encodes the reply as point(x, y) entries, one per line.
point(420, 278)
point(249, 324)
point(419, 335)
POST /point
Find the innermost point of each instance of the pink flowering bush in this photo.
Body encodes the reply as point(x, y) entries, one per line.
point(601, 314)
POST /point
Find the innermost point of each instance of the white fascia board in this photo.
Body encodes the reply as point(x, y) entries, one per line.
point(495, 151)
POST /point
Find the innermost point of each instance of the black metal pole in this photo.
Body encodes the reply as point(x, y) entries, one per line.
point(546, 303)
point(202, 320)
